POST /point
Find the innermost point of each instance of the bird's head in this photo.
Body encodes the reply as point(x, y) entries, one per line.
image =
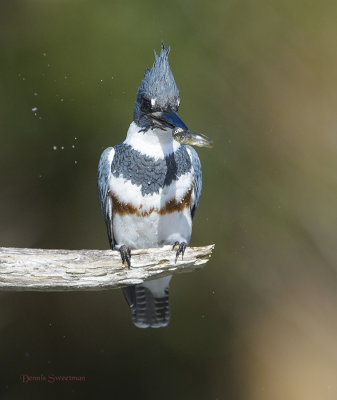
point(158, 96)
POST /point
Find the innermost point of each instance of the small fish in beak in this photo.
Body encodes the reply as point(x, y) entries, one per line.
point(194, 139)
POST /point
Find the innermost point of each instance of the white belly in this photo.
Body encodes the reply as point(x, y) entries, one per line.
point(154, 230)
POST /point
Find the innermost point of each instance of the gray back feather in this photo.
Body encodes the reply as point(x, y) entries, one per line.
point(197, 177)
point(103, 175)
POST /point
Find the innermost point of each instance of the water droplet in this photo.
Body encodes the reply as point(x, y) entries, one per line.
point(62, 147)
point(54, 147)
point(73, 146)
point(61, 99)
point(44, 54)
point(76, 161)
point(34, 109)
point(35, 93)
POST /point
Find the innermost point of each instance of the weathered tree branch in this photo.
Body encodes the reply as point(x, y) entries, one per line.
point(59, 270)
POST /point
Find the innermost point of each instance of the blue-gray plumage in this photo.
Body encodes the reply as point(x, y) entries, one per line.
point(196, 165)
point(150, 173)
point(158, 84)
point(149, 187)
point(104, 171)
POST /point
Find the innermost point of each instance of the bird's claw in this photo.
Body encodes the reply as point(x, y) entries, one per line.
point(126, 256)
point(181, 249)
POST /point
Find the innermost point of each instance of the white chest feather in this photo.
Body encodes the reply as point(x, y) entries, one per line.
point(155, 143)
point(154, 230)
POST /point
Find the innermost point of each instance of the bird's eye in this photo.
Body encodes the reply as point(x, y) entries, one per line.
point(146, 105)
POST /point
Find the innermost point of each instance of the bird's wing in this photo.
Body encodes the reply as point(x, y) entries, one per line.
point(103, 177)
point(197, 178)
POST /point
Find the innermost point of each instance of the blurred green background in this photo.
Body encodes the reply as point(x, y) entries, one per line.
point(259, 77)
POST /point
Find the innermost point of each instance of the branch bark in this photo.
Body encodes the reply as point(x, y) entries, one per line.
point(60, 270)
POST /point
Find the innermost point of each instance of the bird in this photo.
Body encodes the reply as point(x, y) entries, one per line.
point(149, 187)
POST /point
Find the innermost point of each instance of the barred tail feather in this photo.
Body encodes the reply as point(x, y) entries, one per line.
point(149, 303)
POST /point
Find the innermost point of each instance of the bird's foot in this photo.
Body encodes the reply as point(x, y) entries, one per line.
point(181, 249)
point(126, 255)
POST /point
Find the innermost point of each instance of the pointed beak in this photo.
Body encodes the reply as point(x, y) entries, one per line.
point(169, 119)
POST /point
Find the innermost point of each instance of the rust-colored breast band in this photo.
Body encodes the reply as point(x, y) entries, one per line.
point(170, 207)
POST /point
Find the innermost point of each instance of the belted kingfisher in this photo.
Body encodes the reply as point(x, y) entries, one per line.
point(149, 187)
